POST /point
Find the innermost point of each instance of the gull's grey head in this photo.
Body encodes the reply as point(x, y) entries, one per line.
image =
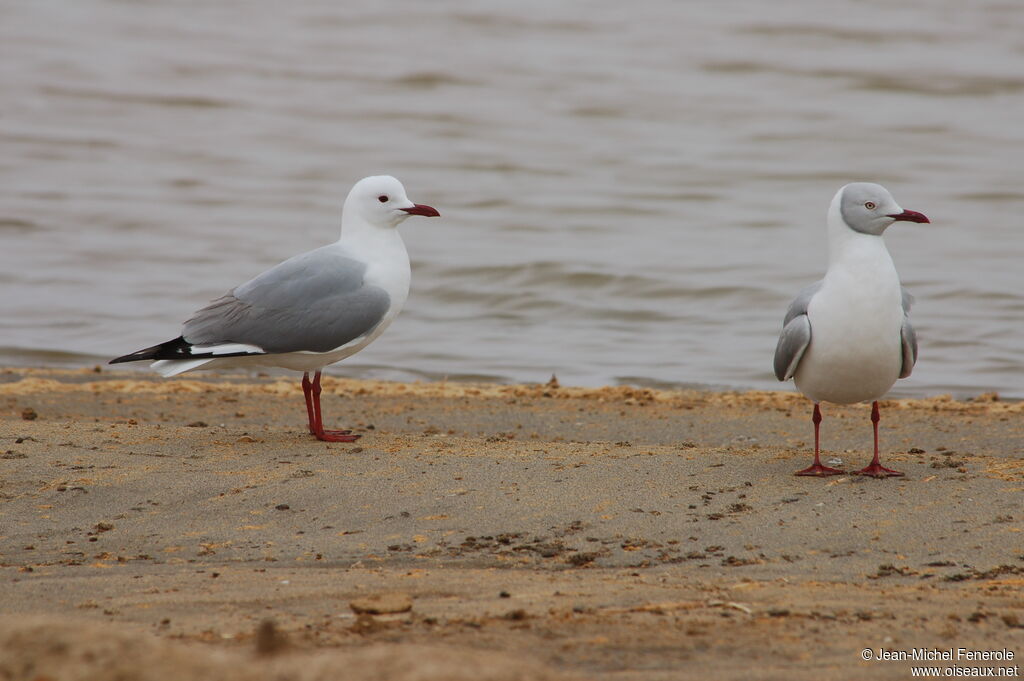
point(380, 201)
point(869, 208)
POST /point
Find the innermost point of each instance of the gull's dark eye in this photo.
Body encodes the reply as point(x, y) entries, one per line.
point(870, 205)
point(383, 198)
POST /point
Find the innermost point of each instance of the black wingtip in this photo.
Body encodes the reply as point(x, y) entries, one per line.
point(172, 349)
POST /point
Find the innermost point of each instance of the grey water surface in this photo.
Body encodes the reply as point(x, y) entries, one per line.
point(631, 192)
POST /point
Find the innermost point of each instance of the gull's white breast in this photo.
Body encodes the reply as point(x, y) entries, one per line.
point(855, 352)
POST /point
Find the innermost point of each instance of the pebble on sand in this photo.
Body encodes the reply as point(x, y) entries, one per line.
point(382, 604)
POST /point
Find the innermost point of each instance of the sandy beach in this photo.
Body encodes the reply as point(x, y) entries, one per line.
point(493, 532)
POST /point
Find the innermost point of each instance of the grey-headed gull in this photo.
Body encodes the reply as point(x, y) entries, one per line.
point(847, 338)
point(311, 310)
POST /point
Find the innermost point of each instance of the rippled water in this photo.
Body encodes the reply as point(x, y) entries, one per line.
point(632, 192)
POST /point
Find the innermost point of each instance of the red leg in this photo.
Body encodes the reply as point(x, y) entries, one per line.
point(875, 469)
point(318, 425)
point(817, 469)
point(307, 390)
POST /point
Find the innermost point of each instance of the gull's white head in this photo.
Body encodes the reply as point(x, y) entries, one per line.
point(380, 201)
point(869, 208)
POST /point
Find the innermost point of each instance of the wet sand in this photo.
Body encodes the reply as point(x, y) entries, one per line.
point(613, 533)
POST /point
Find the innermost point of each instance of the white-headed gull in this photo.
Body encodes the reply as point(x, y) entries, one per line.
point(311, 310)
point(847, 338)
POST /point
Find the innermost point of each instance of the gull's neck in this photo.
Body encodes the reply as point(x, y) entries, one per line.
point(383, 252)
point(359, 236)
point(851, 248)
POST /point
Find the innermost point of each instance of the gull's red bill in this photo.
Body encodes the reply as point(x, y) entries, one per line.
point(427, 211)
point(908, 216)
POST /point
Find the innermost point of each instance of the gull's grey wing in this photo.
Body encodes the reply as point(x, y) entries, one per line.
point(796, 334)
point(313, 302)
point(908, 339)
point(906, 299)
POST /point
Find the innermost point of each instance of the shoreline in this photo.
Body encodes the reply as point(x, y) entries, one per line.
point(15, 380)
point(102, 369)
